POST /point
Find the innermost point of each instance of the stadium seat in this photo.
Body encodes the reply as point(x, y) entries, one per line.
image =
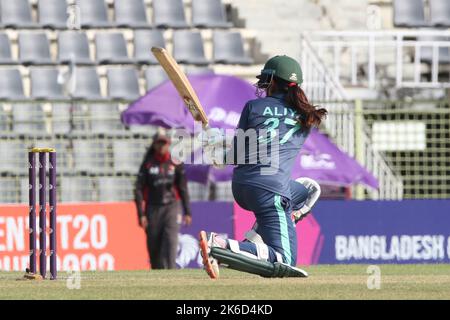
point(223, 191)
point(13, 157)
point(61, 118)
point(143, 130)
point(44, 84)
point(105, 119)
point(34, 48)
point(169, 14)
point(93, 14)
point(128, 155)
point(28, 119)
point(409, 14)
point(115, 189)
point(5, 50)
point(426, 53)
point(123, 83)
point(11, 86)
point(77, 189)
point(9, 190)
point(131, 14)
point(73, 44)
point(198, 191)
point(4, 121)
point(144, 40)
point(16, 14)
point(188, 47)
point(62, 155)
point(111, 48)
point(440, 13)
point(24, 190)
point(52, 14)
point(154, 76)
point(90, 156)
point(80, 119)
point(87, 84)
point(229, 48)
point(209, 14)
point(194, 70)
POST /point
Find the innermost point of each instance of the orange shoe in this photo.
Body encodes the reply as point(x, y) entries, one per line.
point(209, 263)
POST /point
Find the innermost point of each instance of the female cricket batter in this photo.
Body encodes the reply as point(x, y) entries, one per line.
point(270, 248)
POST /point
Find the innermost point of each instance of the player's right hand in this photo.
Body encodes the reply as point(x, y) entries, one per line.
point(215, 145)
point(211, 137)
point(187, 220)
point(143, 222)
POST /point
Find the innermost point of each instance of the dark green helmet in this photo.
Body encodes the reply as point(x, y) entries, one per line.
point(283, 67)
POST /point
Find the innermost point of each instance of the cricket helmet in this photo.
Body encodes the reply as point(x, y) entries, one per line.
point(283, 67)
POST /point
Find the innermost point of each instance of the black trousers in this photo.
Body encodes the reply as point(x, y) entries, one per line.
point(162, 235)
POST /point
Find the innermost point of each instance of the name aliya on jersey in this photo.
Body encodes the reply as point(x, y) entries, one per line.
point(274, 112)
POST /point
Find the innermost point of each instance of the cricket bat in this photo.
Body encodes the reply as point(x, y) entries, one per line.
point(182, 84)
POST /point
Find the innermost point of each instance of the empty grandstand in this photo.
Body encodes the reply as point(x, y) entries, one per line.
point(106, 44)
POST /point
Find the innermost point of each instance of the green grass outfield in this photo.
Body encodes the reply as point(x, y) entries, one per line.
point(325, 282)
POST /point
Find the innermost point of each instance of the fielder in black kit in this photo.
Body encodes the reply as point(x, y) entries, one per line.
point(160, 189)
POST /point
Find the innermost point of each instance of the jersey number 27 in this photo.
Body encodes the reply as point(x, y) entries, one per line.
point(273, 124)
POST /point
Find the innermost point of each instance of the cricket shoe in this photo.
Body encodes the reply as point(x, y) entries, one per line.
point(210, 264)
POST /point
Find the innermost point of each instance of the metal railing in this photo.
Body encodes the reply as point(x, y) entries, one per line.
point(344, 125)
point(415, 138)
point(376, 59)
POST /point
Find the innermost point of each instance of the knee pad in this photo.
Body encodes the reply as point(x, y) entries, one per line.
point(261, 248)
point(252, 236)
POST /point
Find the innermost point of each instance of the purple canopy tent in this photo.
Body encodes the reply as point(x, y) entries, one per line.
point(321, 160)
point(223, 98)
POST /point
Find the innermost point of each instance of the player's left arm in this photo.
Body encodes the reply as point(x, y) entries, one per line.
point(140, 186)
point(181, 185)
point(242, 126)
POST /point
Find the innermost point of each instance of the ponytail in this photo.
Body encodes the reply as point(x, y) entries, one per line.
point(309, 115)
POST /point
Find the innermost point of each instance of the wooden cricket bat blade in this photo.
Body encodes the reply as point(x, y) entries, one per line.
point(181, 83)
